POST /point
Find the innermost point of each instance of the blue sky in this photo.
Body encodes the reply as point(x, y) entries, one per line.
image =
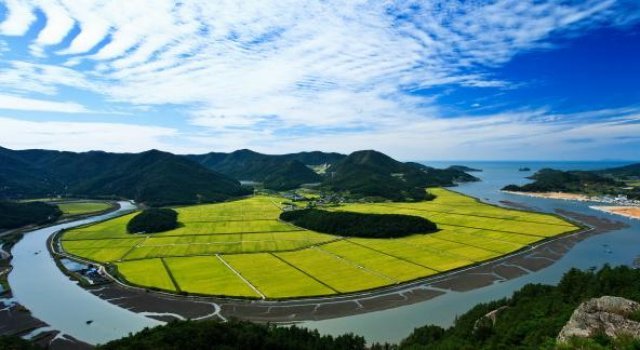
point(468, 80)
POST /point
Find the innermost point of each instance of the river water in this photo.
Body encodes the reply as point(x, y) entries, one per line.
point(52, 297)
point(616, 248)
point(39, 285)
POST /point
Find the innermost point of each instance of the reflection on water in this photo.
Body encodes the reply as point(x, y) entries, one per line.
point(617, 247)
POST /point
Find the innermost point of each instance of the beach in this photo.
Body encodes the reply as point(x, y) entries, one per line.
point(554, 195)
point(628, 211)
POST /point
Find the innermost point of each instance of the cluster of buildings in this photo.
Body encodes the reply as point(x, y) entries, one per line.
point(620, 199)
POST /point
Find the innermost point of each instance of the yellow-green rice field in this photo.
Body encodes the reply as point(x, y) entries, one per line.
point(241, 249)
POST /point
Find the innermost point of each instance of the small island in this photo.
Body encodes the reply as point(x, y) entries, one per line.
point(617, 187)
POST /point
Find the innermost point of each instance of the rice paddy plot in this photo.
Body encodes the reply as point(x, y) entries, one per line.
point(274, 277)
point(340, 274)
point(396, 269)
point(207, 275)
point(148, 273)
point(242, 249)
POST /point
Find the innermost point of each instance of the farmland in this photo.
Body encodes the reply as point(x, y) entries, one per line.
point(81, 208)
point(241, 249)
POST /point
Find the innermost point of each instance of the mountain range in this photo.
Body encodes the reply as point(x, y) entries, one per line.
point(160, 178)
point(153, 177)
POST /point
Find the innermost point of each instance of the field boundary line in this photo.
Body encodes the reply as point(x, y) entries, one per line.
point(497, 230)
point(435, 251)
point(255, 289)
point(520, 245)
point(305, 273)
point(476, 215)
point(475, 246)
point(353, 263)
point(170, 274)
point(133, 247)
point(393, 256)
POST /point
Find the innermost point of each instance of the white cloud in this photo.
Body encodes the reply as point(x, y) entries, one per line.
point(19, 18)
point(27, 77)
point(59, 24)
point(257, 72)
point(29, 104)
point(76, 136)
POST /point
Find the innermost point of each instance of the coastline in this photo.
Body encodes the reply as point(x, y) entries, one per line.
point(626, 211)
point(554, 195)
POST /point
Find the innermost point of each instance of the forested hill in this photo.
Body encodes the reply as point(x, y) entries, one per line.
point(276, 172)
point(620, 180)
point(160, 178)
point(154, 177)
point(15, 214)
point(627, 172)
point(373, 174)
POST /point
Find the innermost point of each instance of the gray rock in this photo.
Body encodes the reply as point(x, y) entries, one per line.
point(606, 314)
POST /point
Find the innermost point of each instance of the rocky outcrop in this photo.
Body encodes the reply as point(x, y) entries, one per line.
point(489, 317)
point(608, 315)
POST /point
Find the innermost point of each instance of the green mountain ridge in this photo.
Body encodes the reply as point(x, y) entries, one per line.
point(370, 173)
point(276, 172)
point(161, 178)
point(153, 177)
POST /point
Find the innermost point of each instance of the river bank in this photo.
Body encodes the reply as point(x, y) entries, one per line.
point(554, 195)
point(626, 211)
point(165, 306)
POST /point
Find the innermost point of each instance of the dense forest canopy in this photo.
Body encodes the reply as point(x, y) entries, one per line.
point(533, 316)
point(16, 214)
point(377, 176)
point(154, 177)
point(352, 224)
point(153, 220)
point(161, 179)
point(275, 172)
point(206, 335)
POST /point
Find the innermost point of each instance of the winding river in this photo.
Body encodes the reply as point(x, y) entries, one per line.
point(619, 247)
point(52, 297)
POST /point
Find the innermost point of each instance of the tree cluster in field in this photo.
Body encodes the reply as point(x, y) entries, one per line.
point(353, 224)
point(153, 220)
point(16, 214)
